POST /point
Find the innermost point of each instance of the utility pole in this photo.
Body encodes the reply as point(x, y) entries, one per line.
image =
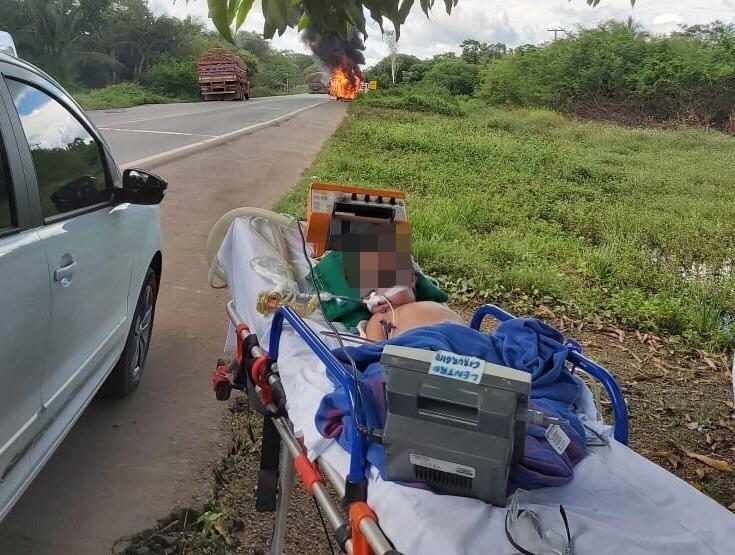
point(556, 32)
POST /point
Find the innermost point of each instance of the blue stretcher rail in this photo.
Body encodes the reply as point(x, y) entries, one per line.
point(575, 357)
point(358, 440)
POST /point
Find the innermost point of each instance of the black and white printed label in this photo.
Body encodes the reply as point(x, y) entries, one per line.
point(444, 466)
point(558, 439)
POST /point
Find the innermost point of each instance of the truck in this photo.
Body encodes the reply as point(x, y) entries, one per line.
point(223, 76)
point(316, 83)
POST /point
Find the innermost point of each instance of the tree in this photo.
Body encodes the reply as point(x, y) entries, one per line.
point(476, 52)
point(390, 40)
point(405, 65)
point(456, 76)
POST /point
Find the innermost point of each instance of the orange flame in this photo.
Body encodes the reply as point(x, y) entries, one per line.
point(344, 86)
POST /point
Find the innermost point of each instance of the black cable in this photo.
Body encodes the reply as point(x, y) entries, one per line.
point(324, 526)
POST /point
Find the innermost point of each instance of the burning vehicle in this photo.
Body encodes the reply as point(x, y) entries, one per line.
point(345, 83)
point(341, 59)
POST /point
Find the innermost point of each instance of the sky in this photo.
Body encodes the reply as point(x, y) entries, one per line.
point(512, 22)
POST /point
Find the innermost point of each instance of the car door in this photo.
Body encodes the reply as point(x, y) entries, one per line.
point(87, 240)
point(25, 311)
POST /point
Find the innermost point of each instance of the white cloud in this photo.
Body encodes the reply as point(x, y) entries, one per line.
point(512, 22)
point(666, 22)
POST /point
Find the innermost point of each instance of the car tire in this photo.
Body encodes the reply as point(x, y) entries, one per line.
point(125, 376)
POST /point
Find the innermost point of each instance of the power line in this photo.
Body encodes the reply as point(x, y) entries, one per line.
point(556, 32)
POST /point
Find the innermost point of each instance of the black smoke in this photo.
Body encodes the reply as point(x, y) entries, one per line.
point(334, 51)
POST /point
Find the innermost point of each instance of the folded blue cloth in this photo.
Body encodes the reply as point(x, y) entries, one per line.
point(524, 344)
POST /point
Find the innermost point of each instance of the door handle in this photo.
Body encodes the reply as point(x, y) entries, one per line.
point(64, 273)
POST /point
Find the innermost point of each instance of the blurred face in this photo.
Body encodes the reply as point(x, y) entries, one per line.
point(379, 260)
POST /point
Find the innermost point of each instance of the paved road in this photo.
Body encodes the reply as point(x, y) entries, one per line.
point(126, 464)
point(139, 133)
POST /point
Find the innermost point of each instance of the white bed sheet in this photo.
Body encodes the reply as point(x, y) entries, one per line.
point(617, 503)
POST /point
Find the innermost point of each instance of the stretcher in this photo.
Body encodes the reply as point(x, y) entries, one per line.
point(617, 502)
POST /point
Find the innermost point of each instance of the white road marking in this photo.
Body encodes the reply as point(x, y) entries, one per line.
point(218, 138)
point(184, 114)
point(152, 118)
point(156, 132)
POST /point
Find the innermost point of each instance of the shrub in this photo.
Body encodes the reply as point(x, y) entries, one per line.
point(173, 77)
point(417, 99)
point(690, 74)
point(120, 95)
point(456, 76)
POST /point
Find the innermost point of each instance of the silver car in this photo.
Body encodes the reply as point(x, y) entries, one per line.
point(80, 267)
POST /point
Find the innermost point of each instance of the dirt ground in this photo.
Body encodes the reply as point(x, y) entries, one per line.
point(681, 417)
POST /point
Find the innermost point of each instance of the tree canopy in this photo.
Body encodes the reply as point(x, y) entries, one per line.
point(322, 17)
point(94, 43)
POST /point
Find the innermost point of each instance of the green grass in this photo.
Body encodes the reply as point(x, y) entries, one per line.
point(526, 207)
point(257, 91)
point(122, 95)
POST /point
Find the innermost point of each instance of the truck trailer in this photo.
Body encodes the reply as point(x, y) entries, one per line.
point(223, 76)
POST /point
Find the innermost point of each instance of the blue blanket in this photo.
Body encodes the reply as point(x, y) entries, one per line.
point(524, 344)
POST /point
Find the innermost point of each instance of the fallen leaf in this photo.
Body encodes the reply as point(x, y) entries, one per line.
point(692, 425)
point(717, 464)
point(220, 524)
point(708, 438)
point(732, 507)
point(674, 460)
point(709, 362)
point(730, 405)
point(701, 473)
point(697, 486)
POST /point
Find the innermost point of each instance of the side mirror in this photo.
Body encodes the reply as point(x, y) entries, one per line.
point(140, 187)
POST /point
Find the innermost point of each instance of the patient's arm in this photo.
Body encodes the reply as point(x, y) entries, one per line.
point(413, 315)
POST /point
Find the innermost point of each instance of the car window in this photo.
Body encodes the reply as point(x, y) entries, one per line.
point(67, 159)
point(7, 219)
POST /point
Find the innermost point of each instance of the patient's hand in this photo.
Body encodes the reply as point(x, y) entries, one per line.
point(385, 325)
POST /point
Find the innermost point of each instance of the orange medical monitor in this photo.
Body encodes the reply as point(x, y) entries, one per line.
point(336, 210)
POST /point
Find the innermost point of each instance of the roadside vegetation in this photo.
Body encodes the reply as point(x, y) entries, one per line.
point(120, 95)
point(113, 54)
point(526, 207)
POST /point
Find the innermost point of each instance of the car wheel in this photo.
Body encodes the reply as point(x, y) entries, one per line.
point(125, 377)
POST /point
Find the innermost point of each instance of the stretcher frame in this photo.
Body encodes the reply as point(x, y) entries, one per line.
point(361, 535)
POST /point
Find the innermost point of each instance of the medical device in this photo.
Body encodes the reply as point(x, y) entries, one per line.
point(336, 210)
point(454, 422)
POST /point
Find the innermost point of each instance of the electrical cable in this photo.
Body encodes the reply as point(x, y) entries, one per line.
point(324, 526)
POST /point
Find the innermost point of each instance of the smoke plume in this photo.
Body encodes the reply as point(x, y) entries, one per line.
point(334, 51)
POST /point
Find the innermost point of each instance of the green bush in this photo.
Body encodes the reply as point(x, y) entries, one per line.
point(456, 76)
point(687, 74)
point(173, 77)
point(427, 99)
point(121, 95)
point(257, 91)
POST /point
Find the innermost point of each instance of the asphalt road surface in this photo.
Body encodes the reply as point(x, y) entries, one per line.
point(127, 463)
point(139, 135)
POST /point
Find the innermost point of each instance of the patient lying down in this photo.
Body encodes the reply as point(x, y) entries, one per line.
point(387, 280)
point(388, 324)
